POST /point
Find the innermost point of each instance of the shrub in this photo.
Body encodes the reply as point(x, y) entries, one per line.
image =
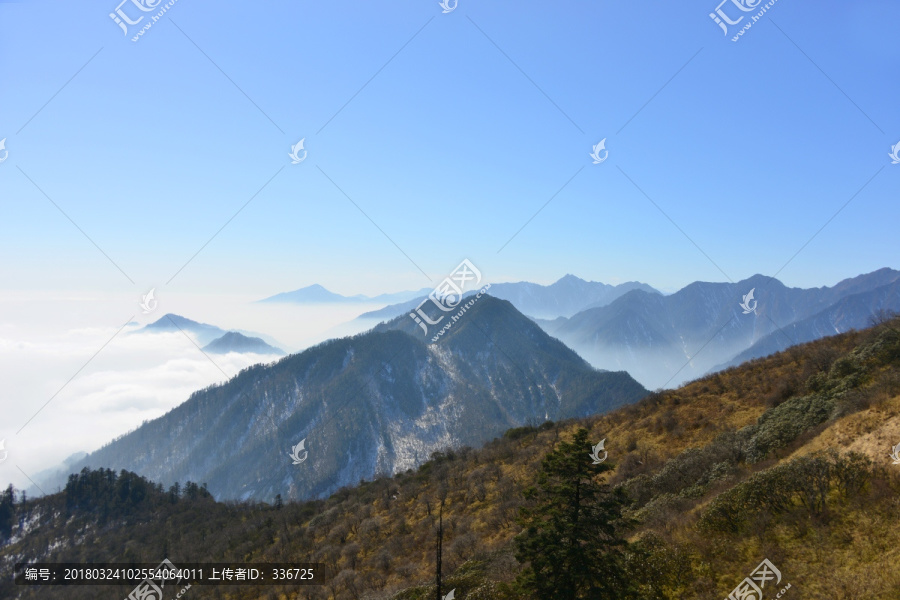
point(805, 481)
point(779, 426)
point(519, 432)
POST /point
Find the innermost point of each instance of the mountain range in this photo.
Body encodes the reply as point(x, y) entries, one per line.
point(857, 310)
point(377, 403)
point(788, 458)
point(382, 401)
point(663, 341)
point(564, 298)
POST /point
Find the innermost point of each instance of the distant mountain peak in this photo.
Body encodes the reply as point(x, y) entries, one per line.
point(311, 294)
point(204, 332)
point(569, 277)
point(233, 341)
point(169, 317)
point(318, 294)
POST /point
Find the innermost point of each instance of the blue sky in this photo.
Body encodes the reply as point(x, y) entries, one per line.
point(431, 138)
point(450, 131)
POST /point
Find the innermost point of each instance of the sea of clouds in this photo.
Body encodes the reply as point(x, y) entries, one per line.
point(103, 383)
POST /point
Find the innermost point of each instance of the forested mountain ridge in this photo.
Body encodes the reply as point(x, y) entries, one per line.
point(378, 402)
point(783, 458)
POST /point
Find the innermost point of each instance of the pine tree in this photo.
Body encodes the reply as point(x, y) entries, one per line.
point(439, 553)
point(174, 492)
point(571, 541)
point(7, 512)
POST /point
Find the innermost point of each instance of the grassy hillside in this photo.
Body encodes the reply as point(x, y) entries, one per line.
point(784, 458)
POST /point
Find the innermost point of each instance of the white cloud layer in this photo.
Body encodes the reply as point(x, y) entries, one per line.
point(46, 341)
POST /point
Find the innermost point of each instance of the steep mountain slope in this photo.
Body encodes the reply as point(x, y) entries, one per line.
point(666, 340)
point(769, 444)
point(380, 402)
point(392, 311)
point(851, 312)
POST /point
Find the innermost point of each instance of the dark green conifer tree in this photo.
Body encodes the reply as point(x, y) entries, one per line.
point(572, 545)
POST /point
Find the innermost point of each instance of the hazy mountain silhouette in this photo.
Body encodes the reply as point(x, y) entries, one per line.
point(237, 342)
point(666, 340)
point(205, 334)
point(565, 297)
point(316, 294)
point(855, 311)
